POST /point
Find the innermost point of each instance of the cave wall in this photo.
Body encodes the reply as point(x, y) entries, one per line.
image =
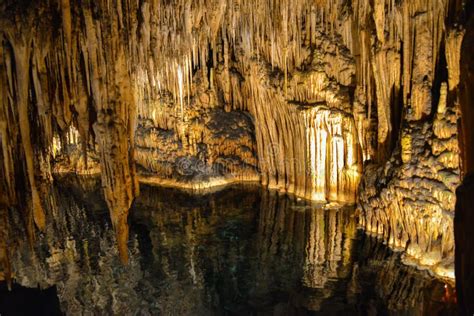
point(299, 95)
point(410, 199)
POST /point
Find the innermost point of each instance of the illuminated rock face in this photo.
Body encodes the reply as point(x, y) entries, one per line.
point(212, 147)
point(409, 197)
point(53, 83)
point(297, 95)
point(410, 200)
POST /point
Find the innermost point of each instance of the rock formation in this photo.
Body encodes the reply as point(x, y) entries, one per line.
point(307, 97)
point(240, 250)
point(410, 200)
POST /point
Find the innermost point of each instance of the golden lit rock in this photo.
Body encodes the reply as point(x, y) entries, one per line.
point(311, 98)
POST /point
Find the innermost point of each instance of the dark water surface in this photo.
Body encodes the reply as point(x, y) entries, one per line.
point(243, 250)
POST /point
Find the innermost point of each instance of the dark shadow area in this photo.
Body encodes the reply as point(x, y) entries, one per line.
point(26, 301)
point(464, 214)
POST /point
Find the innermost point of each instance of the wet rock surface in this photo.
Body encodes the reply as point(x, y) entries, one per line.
point(410, 199)
point(214, 146)
point(306, 97)
point(239, 251)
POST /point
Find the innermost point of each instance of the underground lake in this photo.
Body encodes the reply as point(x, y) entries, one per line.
point(240, 250)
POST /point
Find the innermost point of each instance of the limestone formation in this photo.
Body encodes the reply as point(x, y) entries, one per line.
point(410, 200)
point(307, 97)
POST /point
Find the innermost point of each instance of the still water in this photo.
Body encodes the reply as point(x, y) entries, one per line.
point(239, 251)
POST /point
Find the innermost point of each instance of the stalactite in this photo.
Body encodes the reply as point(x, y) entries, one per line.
point(328, 85)
point(422, 76)
point(453, 56)
point(7, 130)
point(22, 51)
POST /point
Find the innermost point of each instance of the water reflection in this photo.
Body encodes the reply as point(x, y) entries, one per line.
point(242, 250)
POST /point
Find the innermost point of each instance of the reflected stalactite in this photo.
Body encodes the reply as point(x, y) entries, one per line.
point(319, 239)
point(239, 249)
point(166, 87)
point(78, 253)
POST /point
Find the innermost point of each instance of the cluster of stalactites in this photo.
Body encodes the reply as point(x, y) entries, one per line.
point(307, 142)
point(398, 62)
point(81, 79)
point(395, 62)
point(333, 153)
point(110, 58)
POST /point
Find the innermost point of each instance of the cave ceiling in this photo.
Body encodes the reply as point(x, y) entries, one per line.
point(332, 101)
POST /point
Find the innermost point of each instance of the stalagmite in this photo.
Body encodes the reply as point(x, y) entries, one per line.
point(300, 96)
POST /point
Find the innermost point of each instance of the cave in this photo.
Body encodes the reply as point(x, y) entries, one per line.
point(236, 157)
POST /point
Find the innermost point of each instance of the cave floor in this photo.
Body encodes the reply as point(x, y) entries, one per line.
point(242, 250)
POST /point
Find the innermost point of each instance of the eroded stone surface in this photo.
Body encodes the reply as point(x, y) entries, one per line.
point(116, 85)
point(410, 200)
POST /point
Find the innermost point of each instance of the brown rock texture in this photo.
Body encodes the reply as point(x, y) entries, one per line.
point(210, 147)
point(304, 96)
point(410, 199)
